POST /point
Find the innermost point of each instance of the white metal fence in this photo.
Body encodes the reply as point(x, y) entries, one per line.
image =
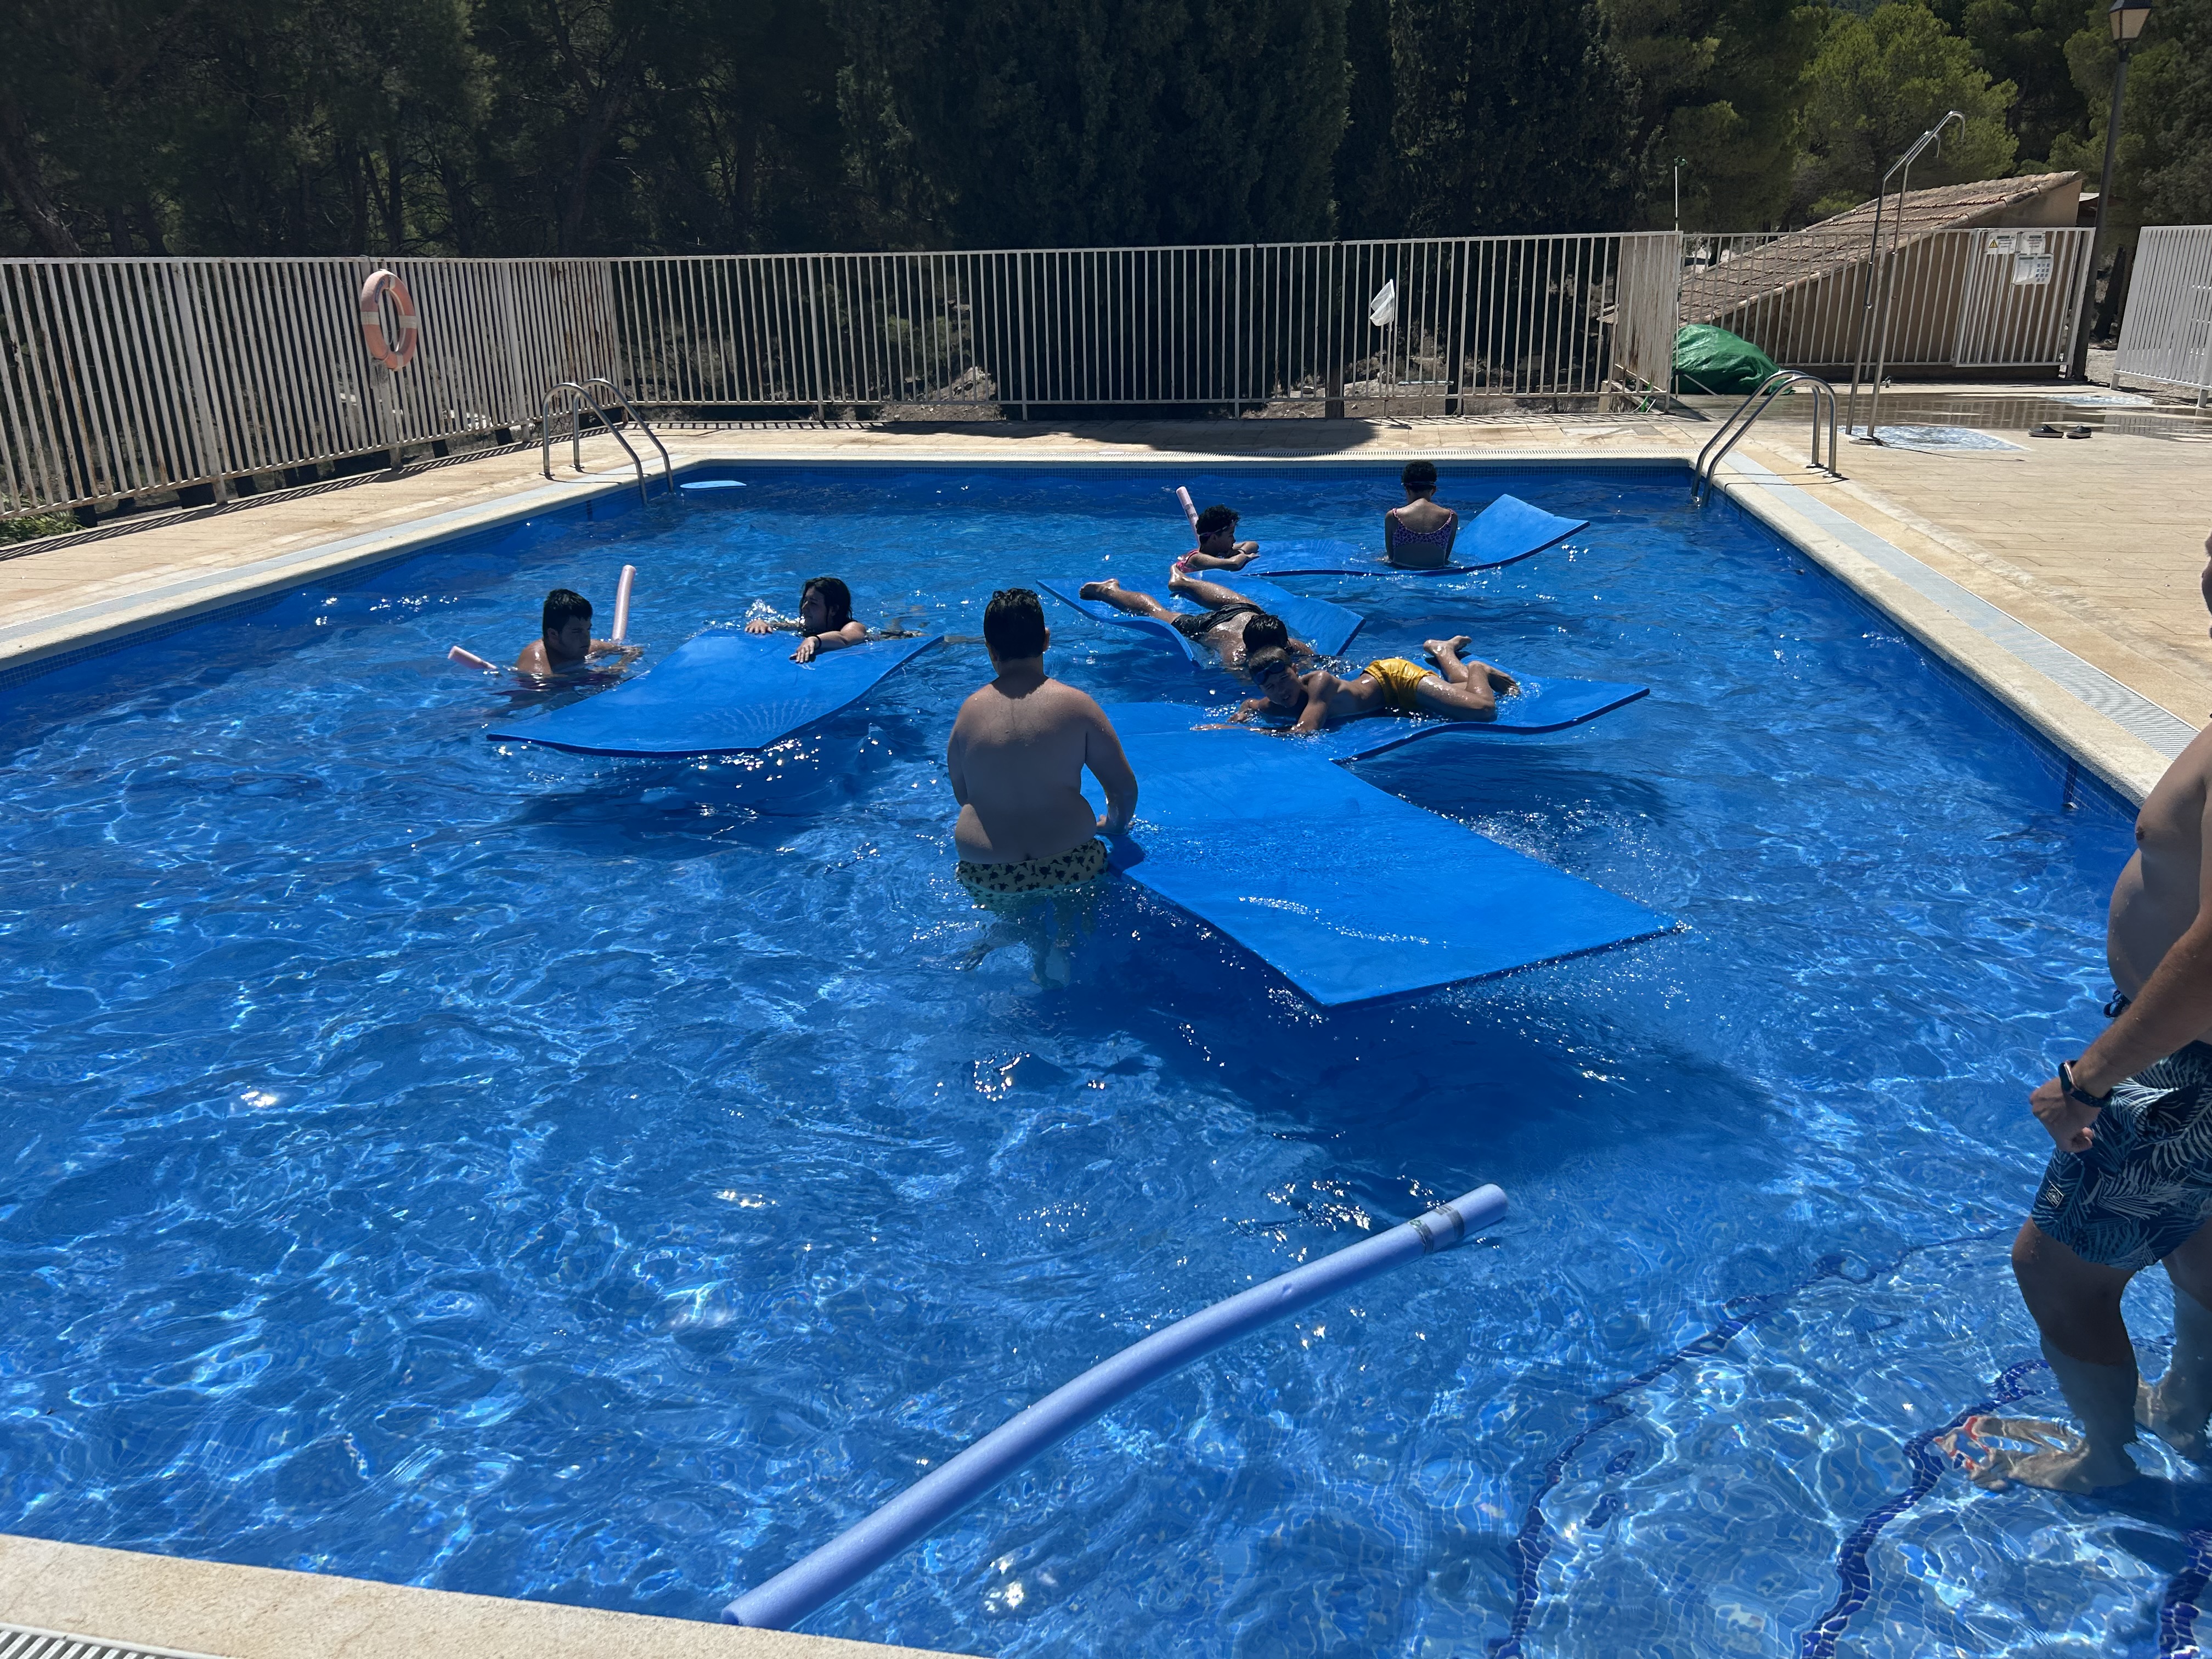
point(120, 377)
point(126, 377)
point(2166, 333)
point(1971, 298)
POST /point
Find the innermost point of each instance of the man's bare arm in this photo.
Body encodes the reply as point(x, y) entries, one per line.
point(1102, 753)
point(836, 639)
point(954, 767)
point(2172, 1010)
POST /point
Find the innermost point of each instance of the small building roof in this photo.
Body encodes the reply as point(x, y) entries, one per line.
point(1746, 273)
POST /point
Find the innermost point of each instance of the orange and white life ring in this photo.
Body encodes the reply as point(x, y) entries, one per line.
point(371, 319)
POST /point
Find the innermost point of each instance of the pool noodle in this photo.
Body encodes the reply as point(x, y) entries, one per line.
point(622, 604)
point(470, 659)
point(1190, 506)
point(851, 1556)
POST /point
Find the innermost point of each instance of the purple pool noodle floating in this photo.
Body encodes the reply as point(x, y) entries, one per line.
point(945, 1491)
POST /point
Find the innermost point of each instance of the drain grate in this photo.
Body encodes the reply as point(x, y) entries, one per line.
point(20, 1641)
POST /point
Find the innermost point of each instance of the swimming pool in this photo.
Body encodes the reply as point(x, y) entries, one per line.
point(477, 1166)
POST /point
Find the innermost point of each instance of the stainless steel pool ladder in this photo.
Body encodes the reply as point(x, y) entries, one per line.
point(574, 390)
point(1748, 411)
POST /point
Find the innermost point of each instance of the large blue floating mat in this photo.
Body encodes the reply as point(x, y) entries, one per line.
point(717, 694)
point(1540, 705)
point(1349, 892)
point(1328, 628)
point(1068, 590)
point(1504, 532)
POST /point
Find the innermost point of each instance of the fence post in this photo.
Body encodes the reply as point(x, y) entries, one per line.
point(1022, 326)
point(188, 331)
point(814, 332)
point(518, 403)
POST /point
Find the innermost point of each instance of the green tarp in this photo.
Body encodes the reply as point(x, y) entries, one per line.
point(1713, 361)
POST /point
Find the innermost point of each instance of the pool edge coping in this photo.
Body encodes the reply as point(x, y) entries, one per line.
point(223, 1610)
point(1962, 629)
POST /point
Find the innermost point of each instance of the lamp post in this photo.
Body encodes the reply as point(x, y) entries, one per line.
point(2126, 19)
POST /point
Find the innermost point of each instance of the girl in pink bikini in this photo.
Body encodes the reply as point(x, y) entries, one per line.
point(1419, 536)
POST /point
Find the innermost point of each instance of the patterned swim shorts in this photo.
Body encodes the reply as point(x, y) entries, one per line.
point(2145, 1184)
point(988, 882)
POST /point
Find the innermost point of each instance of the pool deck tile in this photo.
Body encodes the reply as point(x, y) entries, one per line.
point(123, 1596)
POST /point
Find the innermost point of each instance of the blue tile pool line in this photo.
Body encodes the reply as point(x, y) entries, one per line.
point(2183, 1604)
point(1532, 1543)
point(2122, 705)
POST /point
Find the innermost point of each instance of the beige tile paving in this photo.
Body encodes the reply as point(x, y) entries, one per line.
point(254, 1612)
point(2096, 543)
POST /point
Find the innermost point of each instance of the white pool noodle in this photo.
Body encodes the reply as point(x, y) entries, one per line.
point(622, 604)
point(1190, 506)
point(470, 659)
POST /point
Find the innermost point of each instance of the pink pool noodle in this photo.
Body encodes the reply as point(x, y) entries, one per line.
point(470, 659)
point(1190, 506)
point(622, 604)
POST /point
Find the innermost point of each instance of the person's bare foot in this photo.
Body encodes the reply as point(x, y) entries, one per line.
point(2170, 1424)
point(1452, 647)
point(1179, 578)
point(2067, 1464)
point(1100, 590)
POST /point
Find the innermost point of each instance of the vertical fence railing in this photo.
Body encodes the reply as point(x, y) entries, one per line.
point(127, 377)
point(1976, 298)
point(2166, 334)
point(122, 377)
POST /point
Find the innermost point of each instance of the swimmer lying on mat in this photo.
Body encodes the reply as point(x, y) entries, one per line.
point(564, 641)
point(825, 620)
point(1231, 625)
point(1452, 690)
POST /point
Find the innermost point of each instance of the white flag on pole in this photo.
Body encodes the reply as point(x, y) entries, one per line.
point(1382, 309)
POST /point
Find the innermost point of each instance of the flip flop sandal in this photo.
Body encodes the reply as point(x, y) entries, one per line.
point(2078, 431)
point(2046, 430)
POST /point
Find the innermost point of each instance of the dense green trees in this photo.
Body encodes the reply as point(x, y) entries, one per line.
point(544, 126)
point(1882, 81)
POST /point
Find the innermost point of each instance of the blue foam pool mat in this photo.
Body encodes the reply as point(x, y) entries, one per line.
point(719, 693)
point(1349, 892)
point(1504, 532)
point(1328, 628)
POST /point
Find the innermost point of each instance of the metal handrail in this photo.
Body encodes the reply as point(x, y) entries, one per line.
point(576, 433)
point(667, 465)
point(1746, 415)
point(1878, 285)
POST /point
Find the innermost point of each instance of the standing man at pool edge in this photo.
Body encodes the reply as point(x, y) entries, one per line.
point(2131, 1180)
point(1015, 758)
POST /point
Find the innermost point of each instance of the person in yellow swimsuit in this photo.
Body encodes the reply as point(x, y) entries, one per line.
point(1456, 689)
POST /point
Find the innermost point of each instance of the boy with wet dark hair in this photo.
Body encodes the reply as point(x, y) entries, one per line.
point(564, 641)
point(1019, 751)
point(1218, 547)
point(1013, 626)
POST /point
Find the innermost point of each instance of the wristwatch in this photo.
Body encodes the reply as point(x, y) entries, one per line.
point(2075, 1092)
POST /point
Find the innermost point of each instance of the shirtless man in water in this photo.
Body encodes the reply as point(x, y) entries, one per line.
point(1015, 758)
point(564, 641)
point(2131, 1180)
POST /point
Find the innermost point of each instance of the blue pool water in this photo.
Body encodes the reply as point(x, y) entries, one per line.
point(482, 1167)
